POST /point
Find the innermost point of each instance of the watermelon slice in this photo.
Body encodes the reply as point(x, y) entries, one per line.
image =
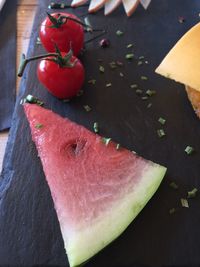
point(97, 189)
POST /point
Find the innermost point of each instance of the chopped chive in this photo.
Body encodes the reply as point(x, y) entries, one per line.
point(106, 141)
point(161, 133)
point(140, 63)
point(129, 45)
point(38, 126)
point(88, 26)
point(38, 42)
point(149, 105)
point(80, 93)
point(162, 120)
point(134, 152)
point(117, 146)
point(189, 150)
point(192, 193)
point(146, 62)
point(92, 81)
point(119, 33)
point(172, 211)
point(144, 98)
point(113, 65)
point(108, 84)
point(184, 203)
point(101, 69)
point(141, 57)
point(87, 108)
point(144, 78)
point(173, 185)
point(150, 92)
point(96, 127)
point(134, 86)
point(139, 91)
point(129, 56)
point(121, 74)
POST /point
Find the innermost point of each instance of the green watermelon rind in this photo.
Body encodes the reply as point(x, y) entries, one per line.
point(84, 244)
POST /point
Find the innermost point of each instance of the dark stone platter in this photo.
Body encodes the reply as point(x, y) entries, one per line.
point(29, 229)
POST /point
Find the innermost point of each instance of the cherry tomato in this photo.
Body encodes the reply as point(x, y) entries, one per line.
point(68, 34)
point(62, 82)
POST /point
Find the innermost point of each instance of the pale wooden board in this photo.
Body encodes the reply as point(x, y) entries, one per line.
point(25, 14)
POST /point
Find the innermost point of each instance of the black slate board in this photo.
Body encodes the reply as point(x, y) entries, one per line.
point(8, 63)
point(29, 228)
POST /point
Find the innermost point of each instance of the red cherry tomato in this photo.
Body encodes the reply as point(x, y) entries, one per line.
point(62, 82)
point(68, 35)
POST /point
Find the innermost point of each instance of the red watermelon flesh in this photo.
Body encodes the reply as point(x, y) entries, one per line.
point(97, 190)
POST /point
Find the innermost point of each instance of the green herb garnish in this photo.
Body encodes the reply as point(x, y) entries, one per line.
point(32, 100)
point(119, 33)
point(38, 126)
point(96, 127)
point(134, 86)
point(162, 120)
point(80, 93)
point(140, 63)
point(150, 92)
point(161, 133)
point(101, 69)
point(87, 108)
point(121, 74)
point(144, 98)
point(144, 78)
point(189, 150)
point(129, 56)
point(192, 193)
point(106, 141)
point(149, 105)
point(92, 81)
point(172, 211)
point(118, 146)
point(173, 185)
point(141, 57)
point(129, 45)
point(139, 92)
point(113, 65)
point(184, 203)
point(108, 84)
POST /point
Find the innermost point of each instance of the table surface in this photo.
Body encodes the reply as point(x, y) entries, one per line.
point(25, 15)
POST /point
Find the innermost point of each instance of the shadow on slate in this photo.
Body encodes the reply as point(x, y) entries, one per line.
point(8, 63)
point(29, 229)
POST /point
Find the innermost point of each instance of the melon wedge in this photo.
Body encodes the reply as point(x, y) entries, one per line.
point(110, 6)
point(97, 190)
point(76, 3)
point(182, 63)
point(130, 6)
point(95, 5)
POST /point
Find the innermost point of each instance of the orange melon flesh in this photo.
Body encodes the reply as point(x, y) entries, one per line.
point(182, 63)
point(97, 190)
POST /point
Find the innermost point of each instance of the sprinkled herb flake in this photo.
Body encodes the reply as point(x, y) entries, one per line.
point(101, 69)
point(192, 193)
point(172, 211)
point(96, 127)
point(134, 86)
point(144, 78)
point(87, 108)
point(150, 92)
point(108, 84)
point(88, 26)
point(38, 42)
point(92, 81)
point(129, 46)
point(113, 65)
point(184, 203)
point(106, 141)
point(117, 146)
point(161, 133)
point(141, 57)
point(80, 93)
point(189, 150)
point(119, 33)
point(144, 98)
point(38, 126)
point(129, 56)
point(173, 185)
point(149, 105)
point(140, 63)
point(139, 92)
point(119, 63)
point(32, 100)
point(162, 121)
point(121, 74)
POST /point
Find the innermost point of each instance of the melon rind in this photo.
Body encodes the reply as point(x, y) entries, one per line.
point(182, 63)
point(85, 243)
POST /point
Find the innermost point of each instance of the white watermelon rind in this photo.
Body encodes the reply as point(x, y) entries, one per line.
point(85, 243)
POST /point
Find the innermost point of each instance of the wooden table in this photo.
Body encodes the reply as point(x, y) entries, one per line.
point(25, 15)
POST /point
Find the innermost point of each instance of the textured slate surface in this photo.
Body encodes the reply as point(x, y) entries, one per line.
point(8, 62)
point(29, 228)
